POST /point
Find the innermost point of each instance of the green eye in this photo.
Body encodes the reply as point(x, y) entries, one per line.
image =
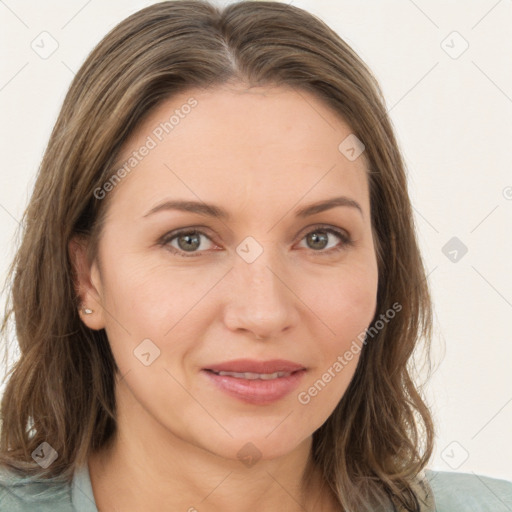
point(189, 240)
point(319, 238)
point(184, 242)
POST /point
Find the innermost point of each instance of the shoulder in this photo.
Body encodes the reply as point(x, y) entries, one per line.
point(21, 493)
point(469, 492)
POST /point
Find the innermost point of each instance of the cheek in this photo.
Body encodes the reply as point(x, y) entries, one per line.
point(136, 300)
point(345, 302)
point(167, 304)
point(143, 291)
point(345, 307)
point(355, 304)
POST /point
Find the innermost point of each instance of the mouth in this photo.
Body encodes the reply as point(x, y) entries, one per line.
point(255, 388)
point(246, 368)
point(254, 376)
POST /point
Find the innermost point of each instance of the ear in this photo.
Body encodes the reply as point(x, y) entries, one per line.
point(87, 281)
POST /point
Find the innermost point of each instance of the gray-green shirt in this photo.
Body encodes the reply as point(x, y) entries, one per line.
point(452, 492)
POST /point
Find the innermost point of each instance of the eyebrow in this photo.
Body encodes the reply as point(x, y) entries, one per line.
point(211, 210)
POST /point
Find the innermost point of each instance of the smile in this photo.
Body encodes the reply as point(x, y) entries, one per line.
point(252, 376)
point(255, 388)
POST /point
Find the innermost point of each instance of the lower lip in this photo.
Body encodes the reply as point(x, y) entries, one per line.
point(256, 391)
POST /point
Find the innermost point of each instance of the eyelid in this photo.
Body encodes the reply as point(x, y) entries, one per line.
point(342, 234)
point(166, 239)
point(327, 227)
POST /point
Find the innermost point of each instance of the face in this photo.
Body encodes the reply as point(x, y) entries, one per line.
point(256, 275)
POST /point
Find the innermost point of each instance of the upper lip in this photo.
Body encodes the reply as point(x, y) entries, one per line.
point(254, 366)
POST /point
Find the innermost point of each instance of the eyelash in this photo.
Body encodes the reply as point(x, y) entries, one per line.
point(166, 239)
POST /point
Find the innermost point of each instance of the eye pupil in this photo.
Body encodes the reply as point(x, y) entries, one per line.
point(189, 241)
point(314, 237)
point(188, 237)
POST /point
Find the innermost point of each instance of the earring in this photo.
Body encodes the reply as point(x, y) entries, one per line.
point(86, 311)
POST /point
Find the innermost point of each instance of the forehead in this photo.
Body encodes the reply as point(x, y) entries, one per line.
point(232, 141)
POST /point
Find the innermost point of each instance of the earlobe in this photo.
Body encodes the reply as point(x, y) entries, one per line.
point(87, 284)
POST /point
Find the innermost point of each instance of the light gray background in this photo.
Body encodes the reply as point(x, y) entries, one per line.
point(452, 113)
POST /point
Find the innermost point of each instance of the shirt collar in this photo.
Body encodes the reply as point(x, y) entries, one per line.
point(82, 496)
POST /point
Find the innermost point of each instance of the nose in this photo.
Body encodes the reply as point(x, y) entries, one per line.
point(261, 301)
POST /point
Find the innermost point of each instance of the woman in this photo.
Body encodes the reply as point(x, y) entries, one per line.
point(219, 285)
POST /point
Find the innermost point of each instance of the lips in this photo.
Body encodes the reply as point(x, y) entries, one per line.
point(256, 367)
point(256, 382)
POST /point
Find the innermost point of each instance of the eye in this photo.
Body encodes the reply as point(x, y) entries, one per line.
point(318, 239)
point(189, 241)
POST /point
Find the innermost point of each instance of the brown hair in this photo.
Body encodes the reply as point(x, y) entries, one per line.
point(61, 390)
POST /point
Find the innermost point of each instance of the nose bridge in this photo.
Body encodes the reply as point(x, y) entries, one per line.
point(261, 279)
point(261, 302)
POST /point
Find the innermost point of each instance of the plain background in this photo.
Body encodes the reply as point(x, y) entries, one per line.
point(445, 70)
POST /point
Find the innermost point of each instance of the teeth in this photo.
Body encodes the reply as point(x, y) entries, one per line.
point(252, 376)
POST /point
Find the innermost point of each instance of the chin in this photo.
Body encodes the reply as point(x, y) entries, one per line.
point(248, 449)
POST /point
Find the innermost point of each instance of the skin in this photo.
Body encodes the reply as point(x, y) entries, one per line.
point(261, 154)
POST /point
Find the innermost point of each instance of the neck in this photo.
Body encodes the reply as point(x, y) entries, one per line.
point(162, 471)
